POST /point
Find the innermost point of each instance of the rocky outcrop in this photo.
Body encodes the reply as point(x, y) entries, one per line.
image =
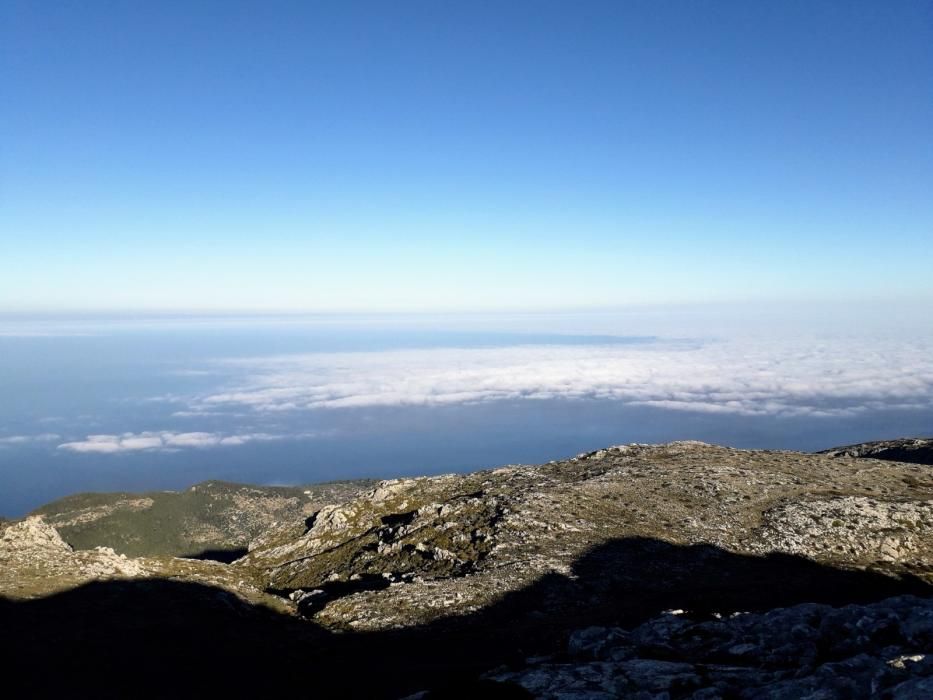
point(32, 553)
point(852, 530)
point(35, 561)
point(32, 539)
point(880, 650)
point(389, 532)
point(912, 450)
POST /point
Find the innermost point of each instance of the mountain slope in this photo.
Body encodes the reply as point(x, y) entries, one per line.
point(454, 543)
point(912, 450)
point(213, 519)
point(450, 577)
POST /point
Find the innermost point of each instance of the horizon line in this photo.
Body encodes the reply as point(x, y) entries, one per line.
point(225, 311)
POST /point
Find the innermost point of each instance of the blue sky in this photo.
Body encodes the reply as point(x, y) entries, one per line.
point(450, 155)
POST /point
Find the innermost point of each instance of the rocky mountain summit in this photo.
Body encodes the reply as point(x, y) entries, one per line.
point(491, 582)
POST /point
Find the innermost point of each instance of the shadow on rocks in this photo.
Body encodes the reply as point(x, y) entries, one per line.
point(160, 638)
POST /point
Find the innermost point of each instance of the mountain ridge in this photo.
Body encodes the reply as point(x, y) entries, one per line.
point(911, 450)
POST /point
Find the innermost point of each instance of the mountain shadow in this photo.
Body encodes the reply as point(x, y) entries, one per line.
point(224, 556)
point(161, 638)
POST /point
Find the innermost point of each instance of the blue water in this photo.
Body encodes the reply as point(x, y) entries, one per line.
point(62, 381)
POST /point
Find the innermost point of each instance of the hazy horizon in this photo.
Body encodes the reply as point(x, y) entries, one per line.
point(162, 402)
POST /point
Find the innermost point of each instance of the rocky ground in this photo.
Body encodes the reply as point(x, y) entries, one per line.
point(804, 651)
point(482, 578)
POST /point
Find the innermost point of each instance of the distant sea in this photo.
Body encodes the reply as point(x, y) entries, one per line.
point(110, 402)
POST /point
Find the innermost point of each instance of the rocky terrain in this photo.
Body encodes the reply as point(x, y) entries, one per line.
point(914, 450)
point(804, 651)
point(553, 580)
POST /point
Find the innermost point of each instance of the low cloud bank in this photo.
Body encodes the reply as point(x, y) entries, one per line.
point(816, 377)
point(161, 441)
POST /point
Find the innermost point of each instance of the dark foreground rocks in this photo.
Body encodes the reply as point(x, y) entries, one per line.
point(881, 650)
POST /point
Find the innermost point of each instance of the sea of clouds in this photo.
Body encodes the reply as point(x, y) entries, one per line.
point(249, 399)
point(815, 377)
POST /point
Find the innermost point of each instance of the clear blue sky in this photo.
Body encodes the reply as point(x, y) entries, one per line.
point(463, 155)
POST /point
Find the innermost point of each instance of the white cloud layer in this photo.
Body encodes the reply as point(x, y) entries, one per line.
point(159, 441)
point(28, 439)
point(816, 377)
